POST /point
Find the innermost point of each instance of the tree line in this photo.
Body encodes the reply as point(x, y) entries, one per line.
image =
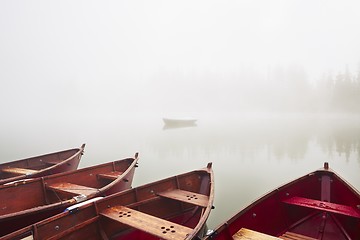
point(291, 91)
point(340, 92)
point(283, 89)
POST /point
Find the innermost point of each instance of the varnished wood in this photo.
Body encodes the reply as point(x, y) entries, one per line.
point(28, 202)
point(19, 171)
point(137, 213)
point(247, 234)
point(110, 175)
point(39, 166)
point(51, 162)
point(27, 238)
point(186, 196)
point(295, 236)
point(56, 236)
point(72, 188)
point(147, 223)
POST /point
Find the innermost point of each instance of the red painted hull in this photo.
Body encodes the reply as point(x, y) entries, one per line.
point(22, 204)
point(39, 166)
point(320, 205)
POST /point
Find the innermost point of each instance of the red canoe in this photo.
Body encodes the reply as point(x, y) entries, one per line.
point(31, 200)
point(40, 166)
point(320, 205)
point(172, 208)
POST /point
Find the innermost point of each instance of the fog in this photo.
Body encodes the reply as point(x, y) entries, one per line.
point(86, 58)
point(275, 86)
point(76, 71)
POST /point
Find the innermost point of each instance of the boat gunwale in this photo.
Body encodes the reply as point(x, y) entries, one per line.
point(207, 170)
point(222, 226)
point(41, 172)
point(29, 230)
point(71, 201)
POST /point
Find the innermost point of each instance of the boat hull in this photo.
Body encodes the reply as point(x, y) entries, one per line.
point(24, 203)
point(320, 205)
point(178, 123)
point(152, 211)
point(42, 165)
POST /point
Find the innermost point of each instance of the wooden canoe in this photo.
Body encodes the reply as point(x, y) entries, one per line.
point(24, 203)
point(320, 205)
point(172, 208)
point(40, 166)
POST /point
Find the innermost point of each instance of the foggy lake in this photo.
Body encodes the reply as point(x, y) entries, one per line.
point(251, 154)
point(274, 86)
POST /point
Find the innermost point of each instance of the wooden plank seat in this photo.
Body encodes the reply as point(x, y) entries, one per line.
point(71, 188)
point(324, 206)
point(186, 196)
point(156, 226)
point(110, 175)
point(30, 237)
point(295, 236)
point(247, 234)
point(19, 171)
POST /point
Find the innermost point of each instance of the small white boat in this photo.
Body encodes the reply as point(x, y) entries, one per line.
point(179, 122)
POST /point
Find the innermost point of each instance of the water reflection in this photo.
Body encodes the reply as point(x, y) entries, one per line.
point(283, 138)
point(250, 155)
point(341, 137)
point(177, 126)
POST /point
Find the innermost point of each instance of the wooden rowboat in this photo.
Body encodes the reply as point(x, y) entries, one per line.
point(29, 201)
point(39, 166)
point(320, 205)
point(178, 122)
point(172, 208)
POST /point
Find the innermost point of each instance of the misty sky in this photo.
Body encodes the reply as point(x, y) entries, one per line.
point(91, 54)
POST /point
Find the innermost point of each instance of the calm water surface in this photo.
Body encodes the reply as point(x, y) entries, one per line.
point(251, 155)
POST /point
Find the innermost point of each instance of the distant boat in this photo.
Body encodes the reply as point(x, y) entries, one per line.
point(319, 205)
point(172, 208)
point(39, 166)
point(179, 122)
point(30, 200)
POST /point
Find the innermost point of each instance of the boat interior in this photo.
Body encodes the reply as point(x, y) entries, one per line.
point(33, 165)
point(59, 188)
point(318, 206)
point(169, 209)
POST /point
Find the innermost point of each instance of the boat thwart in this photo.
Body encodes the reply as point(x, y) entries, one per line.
point(172, 208)
point(319, 205)
point(24, 203)
point(57, 162)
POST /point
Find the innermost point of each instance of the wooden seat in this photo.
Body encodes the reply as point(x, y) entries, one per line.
point(186, 196)
point(156, 226)
point(110, 175)
point(30, 237)
point(324, 206)
point(295, 236)
point(19, 171)
point(72, 189)
point(247, 234)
